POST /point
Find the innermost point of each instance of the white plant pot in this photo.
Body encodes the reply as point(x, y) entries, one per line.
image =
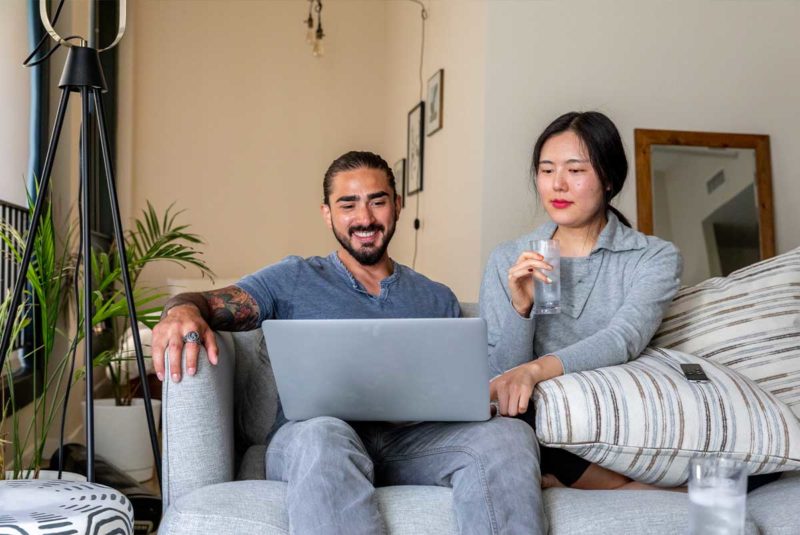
point(122, 438)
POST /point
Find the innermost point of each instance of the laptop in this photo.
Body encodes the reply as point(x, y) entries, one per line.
point(381, 369)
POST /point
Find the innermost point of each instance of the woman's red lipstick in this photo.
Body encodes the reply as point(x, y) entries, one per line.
point(561, 203)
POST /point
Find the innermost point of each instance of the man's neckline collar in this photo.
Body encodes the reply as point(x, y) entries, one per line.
point(336, 261)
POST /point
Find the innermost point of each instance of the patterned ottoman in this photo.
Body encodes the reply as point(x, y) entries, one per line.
point(29, 507)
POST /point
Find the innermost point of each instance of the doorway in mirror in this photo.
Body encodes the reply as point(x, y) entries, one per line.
point(710, 194)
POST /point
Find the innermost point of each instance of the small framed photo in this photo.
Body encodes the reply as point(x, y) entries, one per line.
point(399, 170)
point(416, 139)
point(435, 102)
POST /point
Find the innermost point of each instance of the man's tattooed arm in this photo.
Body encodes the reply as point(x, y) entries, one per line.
point(231, 309)
point(226, 309)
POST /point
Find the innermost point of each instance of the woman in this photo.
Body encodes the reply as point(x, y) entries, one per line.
point(616, 283)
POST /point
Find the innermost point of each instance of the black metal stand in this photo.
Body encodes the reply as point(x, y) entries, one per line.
point(84, 74)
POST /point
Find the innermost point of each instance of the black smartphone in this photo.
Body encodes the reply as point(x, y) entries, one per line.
point(694, 372)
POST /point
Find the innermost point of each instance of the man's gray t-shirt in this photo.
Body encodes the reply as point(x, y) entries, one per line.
point(323, 288)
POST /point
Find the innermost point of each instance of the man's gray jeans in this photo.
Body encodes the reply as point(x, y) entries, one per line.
point(332, 468)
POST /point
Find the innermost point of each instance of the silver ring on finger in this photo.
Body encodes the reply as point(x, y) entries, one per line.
point(192, 337)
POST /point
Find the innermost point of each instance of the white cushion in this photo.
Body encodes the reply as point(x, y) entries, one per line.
point(748, 321)
point(645, 420)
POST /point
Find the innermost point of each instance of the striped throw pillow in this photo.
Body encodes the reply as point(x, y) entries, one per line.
point(645, 420)
point(748, 321)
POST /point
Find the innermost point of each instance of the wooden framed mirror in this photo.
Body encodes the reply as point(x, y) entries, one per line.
point(709, 193)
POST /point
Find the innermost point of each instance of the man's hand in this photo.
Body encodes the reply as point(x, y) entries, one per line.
point(168, 334)
point(226, 309)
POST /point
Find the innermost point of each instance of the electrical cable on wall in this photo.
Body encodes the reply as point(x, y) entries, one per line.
point(423, 17)
point(29, 61)
point(73, 349)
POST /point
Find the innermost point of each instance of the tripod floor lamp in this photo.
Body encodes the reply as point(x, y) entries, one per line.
point(83, 74)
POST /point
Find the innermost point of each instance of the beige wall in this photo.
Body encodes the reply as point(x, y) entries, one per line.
point(684, 65)
point(223, 109)
point(14, 101)
point(233, 119)
point(239, 129)
point(64, 184)
point(455, 40)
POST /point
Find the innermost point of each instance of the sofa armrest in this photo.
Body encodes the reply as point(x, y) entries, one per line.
point(197, 419)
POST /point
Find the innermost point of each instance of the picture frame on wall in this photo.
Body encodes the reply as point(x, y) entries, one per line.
point(416, 148)
point(399, 170)
point(434, 118)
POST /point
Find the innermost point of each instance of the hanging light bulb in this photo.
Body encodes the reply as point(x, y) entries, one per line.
point(310, 34)
point(319, 48)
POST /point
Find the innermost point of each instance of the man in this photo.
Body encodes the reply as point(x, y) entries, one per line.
point(332, 466)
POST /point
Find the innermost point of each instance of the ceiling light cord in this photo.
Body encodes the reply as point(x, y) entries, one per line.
point(423, 18)
point(309, 23)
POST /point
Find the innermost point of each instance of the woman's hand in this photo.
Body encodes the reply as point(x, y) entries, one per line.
point(513, 389)
point(520, 280)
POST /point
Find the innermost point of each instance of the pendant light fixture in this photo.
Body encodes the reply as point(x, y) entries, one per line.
point(315, 37)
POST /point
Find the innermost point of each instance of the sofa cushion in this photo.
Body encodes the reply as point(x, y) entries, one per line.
point(229, 508)
point(645, 420)
point(258, 507)
point(748, 321)
point(774, 506)
point(621, 512)
point(255, 393)
point(253, 465)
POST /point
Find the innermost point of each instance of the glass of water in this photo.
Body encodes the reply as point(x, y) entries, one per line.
point(547, 296)
point(717, 496)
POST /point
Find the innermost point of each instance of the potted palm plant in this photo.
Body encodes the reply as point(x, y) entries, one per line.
point(49, 280)
point(120, 426)
point(53, 269)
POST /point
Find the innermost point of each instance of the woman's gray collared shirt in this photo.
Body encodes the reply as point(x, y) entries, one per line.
point(612, 301)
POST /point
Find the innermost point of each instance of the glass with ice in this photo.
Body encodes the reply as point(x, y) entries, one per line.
point(717, 496)
point(547, 295)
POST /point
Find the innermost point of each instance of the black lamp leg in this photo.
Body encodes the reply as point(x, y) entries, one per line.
point(87, 282)
point(123, 261)
point(44, 187)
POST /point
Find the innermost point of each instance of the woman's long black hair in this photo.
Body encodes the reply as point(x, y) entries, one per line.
point(602, 141)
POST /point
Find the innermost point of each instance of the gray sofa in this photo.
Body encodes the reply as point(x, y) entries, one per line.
point(215, 425)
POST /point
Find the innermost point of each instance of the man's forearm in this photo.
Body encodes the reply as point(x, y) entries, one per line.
point(226, 309)
point(190, 298)
point(231, 309)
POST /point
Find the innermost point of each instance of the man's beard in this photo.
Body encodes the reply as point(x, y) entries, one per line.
point(367, 256)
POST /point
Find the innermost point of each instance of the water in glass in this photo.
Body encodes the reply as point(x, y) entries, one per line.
point(717, 496)
point(547, 296)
